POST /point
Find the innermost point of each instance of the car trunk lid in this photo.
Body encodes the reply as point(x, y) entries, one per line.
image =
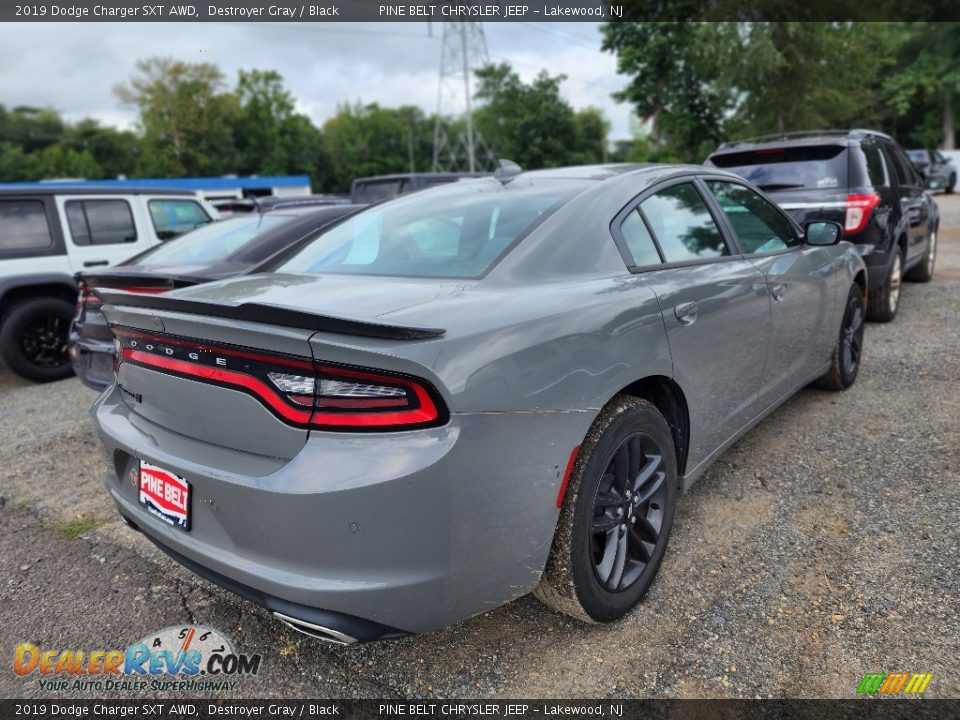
point(242, 375)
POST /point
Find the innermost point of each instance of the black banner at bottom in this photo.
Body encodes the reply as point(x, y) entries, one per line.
point(887, 709)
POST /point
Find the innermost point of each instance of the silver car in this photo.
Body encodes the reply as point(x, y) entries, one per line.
point(458, 397)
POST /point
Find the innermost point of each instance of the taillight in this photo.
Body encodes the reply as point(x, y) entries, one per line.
point(86, 297)
point(298, 391)
point(859, 208)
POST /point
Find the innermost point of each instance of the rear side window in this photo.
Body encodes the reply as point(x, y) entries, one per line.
point(760, 227)
point(639, 241)
point(683, 225)
point(809, 167)
point(24, 226)
point(876, 166)
point(100, 222)
point(172, 218)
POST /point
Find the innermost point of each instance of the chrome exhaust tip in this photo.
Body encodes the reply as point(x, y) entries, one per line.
point(317, 632)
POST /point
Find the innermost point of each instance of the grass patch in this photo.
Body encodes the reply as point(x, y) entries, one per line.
point(73, 529)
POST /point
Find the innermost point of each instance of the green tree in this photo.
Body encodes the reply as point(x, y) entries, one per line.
point(116, 152)
point(371, 140)
point(928, 77)
point(673, 81)
point(531, 124)
point(186, 118)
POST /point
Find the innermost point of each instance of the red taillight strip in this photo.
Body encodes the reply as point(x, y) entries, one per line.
point(232, 352)
point(426, 412)
point(225, 377)
point(144, 290)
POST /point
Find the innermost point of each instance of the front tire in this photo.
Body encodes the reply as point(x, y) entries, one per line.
point(845, 362)
point(617, 515)
point(884, 302)
point(33, 339)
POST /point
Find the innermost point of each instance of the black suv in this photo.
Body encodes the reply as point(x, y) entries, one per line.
point(859, 178)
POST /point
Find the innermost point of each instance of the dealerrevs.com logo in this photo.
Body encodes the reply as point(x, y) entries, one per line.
point(185, 658)
point(900, 683)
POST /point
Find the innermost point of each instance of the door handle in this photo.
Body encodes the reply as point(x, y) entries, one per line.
point(686, 313)
point(778, 291)
point(96, 263)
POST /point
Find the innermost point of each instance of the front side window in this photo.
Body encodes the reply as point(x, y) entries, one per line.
point(172, 218)
point(682, 225)
point(458, 231)
point(23, 226)
point(760, 227)
point(100, 222)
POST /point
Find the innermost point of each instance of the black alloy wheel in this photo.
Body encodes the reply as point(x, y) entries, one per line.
point(44, 342)
point(34, 339)
point(617, 514)
point(851, 338)
point(628, 511)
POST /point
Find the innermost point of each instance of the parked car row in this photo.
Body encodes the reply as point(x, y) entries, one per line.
point(380, 420)
point(47, 234)
point(861, 179)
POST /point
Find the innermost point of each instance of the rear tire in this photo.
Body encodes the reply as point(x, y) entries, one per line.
point(33, 339)
point(884, 302)
point(848, 352)
point(617, 515)
point(924, 271)
point(951, 184)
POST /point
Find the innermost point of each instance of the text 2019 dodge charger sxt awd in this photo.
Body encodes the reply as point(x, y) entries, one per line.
point(457, 397)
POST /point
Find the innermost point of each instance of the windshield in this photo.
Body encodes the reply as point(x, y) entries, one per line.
point(212, 243)
point(458, 231)
point(788, 168)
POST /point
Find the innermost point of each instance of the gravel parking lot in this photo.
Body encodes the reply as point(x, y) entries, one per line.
point(824, 545)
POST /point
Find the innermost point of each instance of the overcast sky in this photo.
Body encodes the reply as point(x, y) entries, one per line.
point(73, 67)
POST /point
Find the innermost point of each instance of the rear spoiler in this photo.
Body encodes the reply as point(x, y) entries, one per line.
point(269, 315)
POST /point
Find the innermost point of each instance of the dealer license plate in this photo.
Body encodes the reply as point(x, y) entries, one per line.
point(165, 495)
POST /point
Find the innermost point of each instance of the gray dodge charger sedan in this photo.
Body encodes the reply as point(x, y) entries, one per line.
point(458, 397)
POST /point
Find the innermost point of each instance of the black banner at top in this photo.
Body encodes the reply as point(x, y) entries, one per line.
point(613, 709)
point(464, 10)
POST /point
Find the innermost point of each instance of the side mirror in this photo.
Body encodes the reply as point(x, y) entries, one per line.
point(823, 233)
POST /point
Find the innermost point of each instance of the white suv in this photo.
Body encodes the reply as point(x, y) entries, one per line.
point(47, 234)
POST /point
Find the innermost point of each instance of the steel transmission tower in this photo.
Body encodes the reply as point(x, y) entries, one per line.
point(464, 50)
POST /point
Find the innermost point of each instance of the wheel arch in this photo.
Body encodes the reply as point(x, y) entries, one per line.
point(44, 285)
point(667, 396)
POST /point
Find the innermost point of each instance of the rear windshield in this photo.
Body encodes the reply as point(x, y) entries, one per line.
point(212, 243)
point(808, 167)
point(918, 155)
point(371, 192)
point(457, 231)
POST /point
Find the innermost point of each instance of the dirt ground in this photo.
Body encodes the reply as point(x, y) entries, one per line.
point(824, 545)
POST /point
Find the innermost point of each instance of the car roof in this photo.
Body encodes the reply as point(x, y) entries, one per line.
point(803, 138)
point(7, 189)
point(590, 175)
point(423, 175)
point(309, 211)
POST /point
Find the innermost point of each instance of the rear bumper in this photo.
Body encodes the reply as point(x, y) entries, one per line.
point(92, 361)
point(406, 531)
